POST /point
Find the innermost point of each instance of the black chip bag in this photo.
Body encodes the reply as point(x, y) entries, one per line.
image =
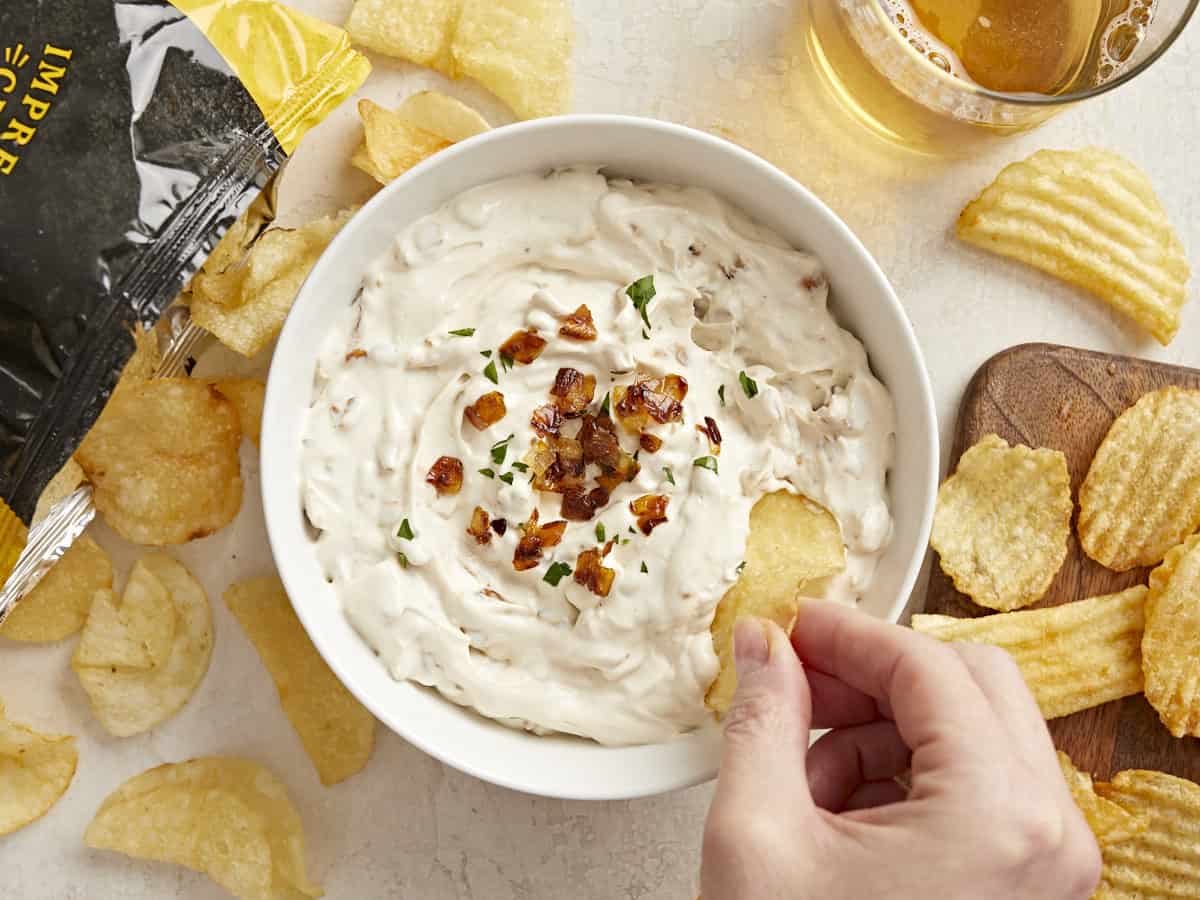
point(132, 135)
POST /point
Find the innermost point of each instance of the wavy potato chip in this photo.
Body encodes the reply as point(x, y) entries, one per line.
point(58, 606)
point(520, 50)
point(415, 30)
point(1109, 822)
point(229, 818)
point(391, 146)
point(163, 459)
point(1002, 523)
point(1141, 495)
point(132, 681)
point(1074, 656)
point(337, 731)
point(1163, 860)
point(1091, 218)
point(1171, 646)
point(246, 395)
point(35, 770)
point(793, 541)
point(245, 304)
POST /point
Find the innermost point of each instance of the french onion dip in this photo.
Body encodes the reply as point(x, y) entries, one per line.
point(536, 437)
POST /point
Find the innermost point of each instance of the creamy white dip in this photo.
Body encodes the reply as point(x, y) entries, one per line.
point(394, 382)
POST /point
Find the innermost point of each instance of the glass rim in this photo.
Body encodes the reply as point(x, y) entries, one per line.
point(1047, 100)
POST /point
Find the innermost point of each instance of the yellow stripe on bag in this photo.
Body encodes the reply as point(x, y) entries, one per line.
point(13, 535)
point(296, 68)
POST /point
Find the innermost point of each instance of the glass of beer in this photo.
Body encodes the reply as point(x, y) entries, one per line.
point(935, 76)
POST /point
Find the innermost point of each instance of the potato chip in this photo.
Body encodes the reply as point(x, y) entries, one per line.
point(131, 684)
point(246, 395)
point(220, 280)
point(520, 50)
point(1091, 218)
point(1002, 523)
point(1109, 822)
point(229, 818)
point(337, 731)
point(792, 541)
point(1164, 859)
point(58, 606)
point(265, 284)
point(415, 30)
point(1171, 646)
point(62, 485)
point(163, 459)
point(1141, 495)
point(1073, 656)
point(443, 115)
point(35, 770)
point(391, 146)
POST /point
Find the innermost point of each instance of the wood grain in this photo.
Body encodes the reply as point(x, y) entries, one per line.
point(1046, 395)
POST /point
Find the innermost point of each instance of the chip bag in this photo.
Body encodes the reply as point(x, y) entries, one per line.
point(133, 133)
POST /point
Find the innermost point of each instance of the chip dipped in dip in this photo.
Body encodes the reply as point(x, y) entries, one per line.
point(538, 432)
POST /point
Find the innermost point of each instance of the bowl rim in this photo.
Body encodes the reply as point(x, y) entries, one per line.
point(275, 506)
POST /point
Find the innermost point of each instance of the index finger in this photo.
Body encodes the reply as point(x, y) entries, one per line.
point(935, 702)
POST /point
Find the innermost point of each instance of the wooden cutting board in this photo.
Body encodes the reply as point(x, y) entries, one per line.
point(1046, 395)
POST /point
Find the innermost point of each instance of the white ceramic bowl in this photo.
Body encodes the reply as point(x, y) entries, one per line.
point(645, 149)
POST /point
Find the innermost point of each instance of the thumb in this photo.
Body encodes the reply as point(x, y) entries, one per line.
point(767, 726)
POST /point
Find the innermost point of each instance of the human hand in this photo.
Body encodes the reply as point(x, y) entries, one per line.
point(989, 815)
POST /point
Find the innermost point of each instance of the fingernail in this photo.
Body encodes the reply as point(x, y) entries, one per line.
point(750, 650)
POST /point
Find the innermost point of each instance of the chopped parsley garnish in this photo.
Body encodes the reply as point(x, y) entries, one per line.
point(645, 571)
point(706, 462)
point(520, 467)
point(486, 354)
point(600, 533)
point(637, 453)
point(641, 292)
point(403, 560)
point(500, 450)
point(631, 531)
point(405, 532)
point(490, 473)
point(721, 394)
point(556, 573)
point(490, 373)
point(741, 566)
point(507, 477)
point(749, 385)
point(605, 409)
point(645, 335)
point(463, 332)
point(506, 361)
point(670, 475)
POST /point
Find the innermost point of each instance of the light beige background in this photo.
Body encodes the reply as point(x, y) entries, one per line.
point(409, 828)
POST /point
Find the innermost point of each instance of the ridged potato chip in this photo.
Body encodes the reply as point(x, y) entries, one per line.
point(1171, 646)
point(246, 303)
point(1109, 822)
point(416, 30)
point(246, 395)
point(58, 606)
point(1163, 860)
point(337, 731)
point(1091, 218)
point(1002, 523)
point(1141, 495)
point(163, 460)
point(132, 678)
point(229, 818)
point(520, 50)
point(35, 770)
point(391, 146)
point(1074, 656)
point(792, 541)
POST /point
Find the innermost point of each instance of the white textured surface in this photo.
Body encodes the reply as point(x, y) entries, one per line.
point(409, 828)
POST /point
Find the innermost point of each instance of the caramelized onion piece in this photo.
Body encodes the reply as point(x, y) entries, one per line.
point(710, 430)
point(658, 399)
point(557, 464)
point(627, 469)
point(523, 346)
point(592, 574)
point(579, 325)
point(598, 437)
point(580, 504)
point(649, 442)
point(651, 511)
point(446, 475)
point(357, 353)
point(546, 420)
point(573, 392)
point(500, 526)
point(534, 540)
point(486, 411)
point(478, 528)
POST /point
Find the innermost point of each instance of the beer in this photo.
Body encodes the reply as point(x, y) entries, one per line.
point(937, 76)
